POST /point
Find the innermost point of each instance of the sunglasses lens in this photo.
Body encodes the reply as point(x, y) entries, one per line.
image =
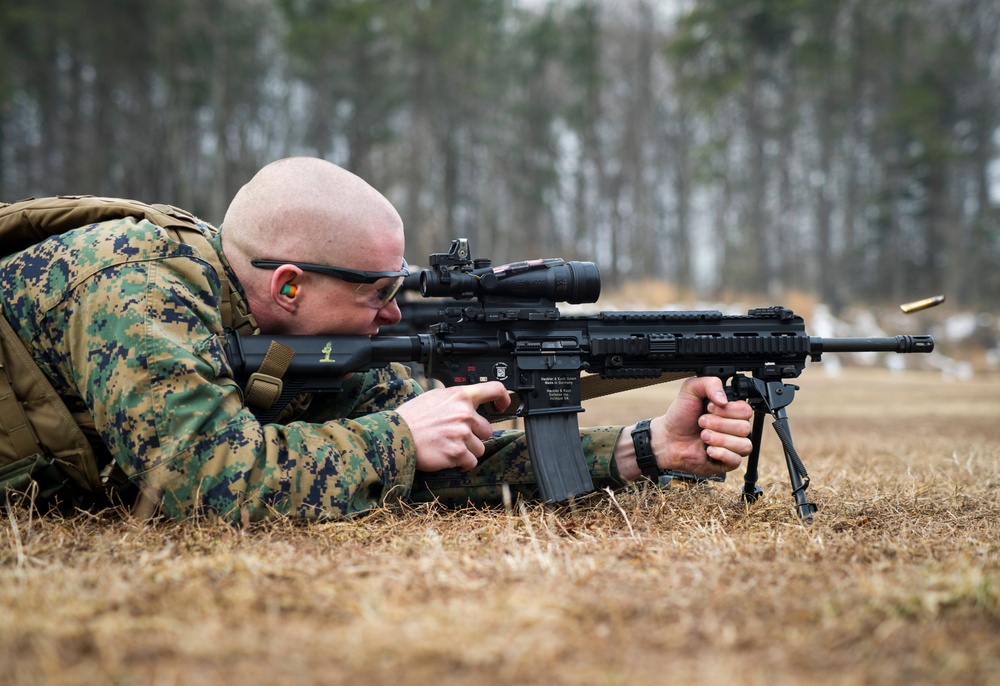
point(379, 294)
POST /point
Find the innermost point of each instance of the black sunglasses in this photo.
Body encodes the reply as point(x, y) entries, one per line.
point(373, 297)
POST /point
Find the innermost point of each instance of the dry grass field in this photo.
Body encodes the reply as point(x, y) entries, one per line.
point(896, 582)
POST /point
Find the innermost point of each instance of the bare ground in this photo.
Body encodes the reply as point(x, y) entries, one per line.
point(897, 581)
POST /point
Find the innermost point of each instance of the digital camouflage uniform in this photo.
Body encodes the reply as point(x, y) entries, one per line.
point(125, 323)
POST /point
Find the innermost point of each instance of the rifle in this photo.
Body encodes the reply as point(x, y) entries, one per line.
point(508, 328)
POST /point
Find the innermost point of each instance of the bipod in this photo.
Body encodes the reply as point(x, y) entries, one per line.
point(772, 397)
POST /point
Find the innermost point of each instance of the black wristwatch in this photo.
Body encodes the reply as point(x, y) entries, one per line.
point(644, 456)
point(646, 459)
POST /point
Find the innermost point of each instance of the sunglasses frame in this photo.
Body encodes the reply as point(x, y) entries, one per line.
point(342, 273)
point(365, 278)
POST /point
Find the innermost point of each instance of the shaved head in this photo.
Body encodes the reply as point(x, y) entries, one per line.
point(304, 209)
point(311, 210)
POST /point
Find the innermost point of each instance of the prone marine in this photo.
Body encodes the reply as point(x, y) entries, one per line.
point(126, 322)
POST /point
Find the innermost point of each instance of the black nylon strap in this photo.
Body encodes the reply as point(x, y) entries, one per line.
point(644, 455)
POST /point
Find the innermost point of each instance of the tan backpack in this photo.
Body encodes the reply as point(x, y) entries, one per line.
point(40, 440)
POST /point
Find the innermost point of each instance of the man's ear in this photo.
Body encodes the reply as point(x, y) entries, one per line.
point(286, 287)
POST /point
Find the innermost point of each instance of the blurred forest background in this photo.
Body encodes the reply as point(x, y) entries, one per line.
point(843, 148)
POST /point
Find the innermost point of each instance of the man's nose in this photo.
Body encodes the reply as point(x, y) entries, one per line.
point(389, 313)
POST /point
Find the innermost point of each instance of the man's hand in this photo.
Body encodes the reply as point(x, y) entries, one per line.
point(691, 439)
point(447, 430)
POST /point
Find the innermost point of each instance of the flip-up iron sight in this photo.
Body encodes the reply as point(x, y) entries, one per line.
point(456, 274)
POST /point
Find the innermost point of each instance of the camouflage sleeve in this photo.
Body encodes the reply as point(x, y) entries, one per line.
point(143, 349)
point(363, 394)
point(506, 463)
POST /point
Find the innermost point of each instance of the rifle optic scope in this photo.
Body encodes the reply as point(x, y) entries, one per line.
point(552, 279)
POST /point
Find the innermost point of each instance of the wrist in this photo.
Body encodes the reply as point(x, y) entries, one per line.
point(625, 455)
point(642, 445)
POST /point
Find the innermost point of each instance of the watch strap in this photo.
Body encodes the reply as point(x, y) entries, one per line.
point(644, 455)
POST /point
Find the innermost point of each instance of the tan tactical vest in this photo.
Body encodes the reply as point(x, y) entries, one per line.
point(34, 422)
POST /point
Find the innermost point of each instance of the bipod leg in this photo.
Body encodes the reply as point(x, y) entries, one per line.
point(796, 470)
point(751, 491)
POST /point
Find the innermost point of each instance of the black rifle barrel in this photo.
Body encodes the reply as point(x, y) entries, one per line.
point(889, 344)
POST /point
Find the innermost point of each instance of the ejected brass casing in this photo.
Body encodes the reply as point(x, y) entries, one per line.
point(918, 305)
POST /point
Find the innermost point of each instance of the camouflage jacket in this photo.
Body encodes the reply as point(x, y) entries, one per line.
point(125, 323)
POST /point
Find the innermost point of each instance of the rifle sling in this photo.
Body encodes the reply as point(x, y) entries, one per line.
point(265, 385)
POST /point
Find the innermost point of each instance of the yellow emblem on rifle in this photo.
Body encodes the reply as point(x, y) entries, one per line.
point(327, 349)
